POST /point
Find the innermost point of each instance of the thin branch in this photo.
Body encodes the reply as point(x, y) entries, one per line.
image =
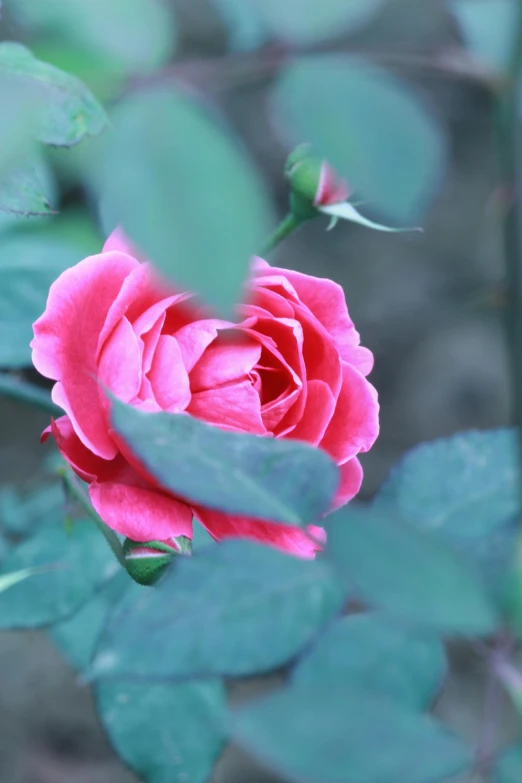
point(492, 707)
point(239, 69)
point(287, 226)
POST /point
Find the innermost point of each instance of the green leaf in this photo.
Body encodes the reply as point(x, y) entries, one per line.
point(29, 263)
point(76, 563)
point(277, 480)
point(77, 636)
point(245, 26)
point(508, 768)
point(135, 35)
point(371, 652)
point(465, 490)
point(21, 113)
point(251, 24)
point(187, 736)
point(398, 567)
point(489, 28)
point(370, 126)
point(70, 110)
point(305, 22)
point(185, 193)
point(332, 734)
point(21, 193)
point(234, 609)
point(22, 513)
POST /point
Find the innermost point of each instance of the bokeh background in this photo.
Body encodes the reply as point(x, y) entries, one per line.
point(430, 305)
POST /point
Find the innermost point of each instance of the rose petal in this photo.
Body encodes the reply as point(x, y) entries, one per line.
point(168, 376)
point(283, 537)
point(66, 340)
point(351, 476)
point(140, 514)
point(236, 406)
point(120, 242)
point(119, 367)
point(194, 338)
point(355, 423)
point(224, 362)
point(331, 188)
point(326, 300)
point(318, 411)
point(272, 302)
point(86, 464)
point(137, 294)
point(282, 340)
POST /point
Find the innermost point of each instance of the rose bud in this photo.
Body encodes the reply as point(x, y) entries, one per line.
point(316, 188)
point(147, 562)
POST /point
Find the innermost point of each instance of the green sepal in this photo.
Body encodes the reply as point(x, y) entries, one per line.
point(146, 562)
point(302, 208)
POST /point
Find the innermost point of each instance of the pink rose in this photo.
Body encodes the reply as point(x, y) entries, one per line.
point(292, 368)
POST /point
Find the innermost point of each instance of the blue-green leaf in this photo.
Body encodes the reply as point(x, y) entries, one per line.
point(508, 768)
point(400, 568)
point(77, 636)
point(29, 263)
point(234, 609)
point(135, 35)
point(306, 22)
point(70, 111)
point(277, 480)
point(332, 734)
point(71, 566)
point(185, 193)
point(465, 490)
point(370, 126)
point(372, 652)
point(300, 21)
point(488, 27)
point(188, 731)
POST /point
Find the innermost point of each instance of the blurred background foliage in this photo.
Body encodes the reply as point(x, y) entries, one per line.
point(407, 90)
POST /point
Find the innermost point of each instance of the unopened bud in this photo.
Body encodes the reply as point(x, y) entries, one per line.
point(147, 562)
point(317, 189)
point(314, 183)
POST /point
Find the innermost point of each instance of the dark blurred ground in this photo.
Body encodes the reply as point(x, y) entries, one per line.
point(420, 302)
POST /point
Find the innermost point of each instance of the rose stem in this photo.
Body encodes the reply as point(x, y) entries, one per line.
point(284, 229)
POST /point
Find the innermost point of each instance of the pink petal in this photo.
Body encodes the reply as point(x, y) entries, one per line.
point(236, 406)
point(168, 376)
point(140, 514)
point(120, 242)
point(318, 411)
point(132, 299)
point(194, 338)
point(355, 423)
point(283, 537)
point(159, 308)
point(321, 356)
point(351, 476)
point(119, 367)
point(224, 362)
point(331, 189)
point(282, 340)
point(66, 339)
point(326, 300)
point(86, 464)
point(272, 302)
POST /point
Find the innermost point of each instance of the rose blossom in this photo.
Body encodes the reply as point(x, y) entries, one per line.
point(292, 367)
